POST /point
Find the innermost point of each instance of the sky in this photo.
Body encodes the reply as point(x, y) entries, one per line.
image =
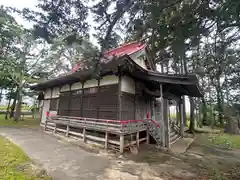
point(31, 4)
point(20, 4)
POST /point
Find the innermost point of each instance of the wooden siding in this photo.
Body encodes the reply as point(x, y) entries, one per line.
point(64, 103)
point(128, 106)
point(108, 102)
point(54, 104)
point(90, 102)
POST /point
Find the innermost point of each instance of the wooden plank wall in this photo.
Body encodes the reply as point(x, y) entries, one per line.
point(90, 102)
point(128, 106)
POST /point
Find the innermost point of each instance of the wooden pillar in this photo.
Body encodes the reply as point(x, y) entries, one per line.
point(55, 129)
point(153, 114)
point(106, 140)
point(181, 116)
point(137, 139)
point(98, 95)
point(84, 135)
point(166, 120)
point(184, 110)
point(67, 131)
point(120, 97)
point(147, 136)
point(121, 143)
point(135, 100)
point(177, 113)
point(82, 99)
point(45, 125)
point(70, 96)
point(162, 116)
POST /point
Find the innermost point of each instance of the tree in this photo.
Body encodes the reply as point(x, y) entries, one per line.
point(60, 18)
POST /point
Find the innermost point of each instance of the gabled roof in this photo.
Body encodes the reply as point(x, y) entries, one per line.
point(125, 49)
point(176, 84)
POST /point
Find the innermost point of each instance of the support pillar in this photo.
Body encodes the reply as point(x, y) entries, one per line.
point(147, 136)
point(106, 140)
point(55, 129)
point(67, 132)
point(162, 116)
point(181, 116)
point(121, 143)
point(166, 120)
point(137, 139)
point(84, 135)
point(45, 126)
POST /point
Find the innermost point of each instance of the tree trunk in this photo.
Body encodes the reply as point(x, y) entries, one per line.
point(192, 121)
point(17, 115)
point(204, 112)
point(9, 102)
point(13, 104)
point(219, 102)
point(1, 92)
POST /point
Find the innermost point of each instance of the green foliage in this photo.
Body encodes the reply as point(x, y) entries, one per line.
point(59, 19)
point(27, 122)
point(15, 164)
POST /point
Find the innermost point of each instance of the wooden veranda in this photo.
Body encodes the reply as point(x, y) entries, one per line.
point(113, 134)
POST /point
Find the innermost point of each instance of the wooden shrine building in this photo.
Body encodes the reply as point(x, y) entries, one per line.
point(123, 106)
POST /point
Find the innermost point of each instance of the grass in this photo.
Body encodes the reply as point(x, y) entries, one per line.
point(4, 107)
point(27, 122)
point(15, 165)
point(225, 140)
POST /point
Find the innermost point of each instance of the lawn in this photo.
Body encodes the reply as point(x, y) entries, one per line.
point(225, 140)
point(27, 122)
point(15, 165)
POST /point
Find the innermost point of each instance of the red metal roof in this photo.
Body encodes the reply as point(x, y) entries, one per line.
point(125, 49)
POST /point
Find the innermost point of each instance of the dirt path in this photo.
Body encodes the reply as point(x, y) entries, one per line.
point(61, 160)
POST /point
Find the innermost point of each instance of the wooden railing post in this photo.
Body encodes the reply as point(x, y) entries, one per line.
point(67, 132)
point(181, 109)
point(106, 140)
point(147, 136)
point(84, 135)
point(55, 128)
point(45, 125)
point(137, 139)
point(121, 143)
